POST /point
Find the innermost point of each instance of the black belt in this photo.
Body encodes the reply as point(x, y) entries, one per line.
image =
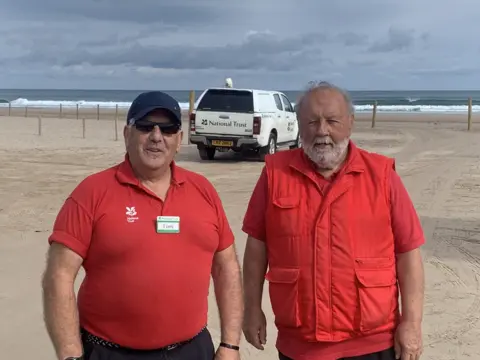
point(95, 340)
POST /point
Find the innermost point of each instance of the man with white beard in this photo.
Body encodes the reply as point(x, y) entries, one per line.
point(340, 237)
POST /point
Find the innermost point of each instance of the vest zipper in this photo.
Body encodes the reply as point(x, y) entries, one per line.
point(330, 275)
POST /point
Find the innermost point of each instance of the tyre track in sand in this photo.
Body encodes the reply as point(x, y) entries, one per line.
point(441, 166)
point(458, 238)
point(430, 159)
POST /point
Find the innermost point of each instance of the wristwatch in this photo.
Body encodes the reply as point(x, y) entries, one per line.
point(74, 358)
point(229, 346)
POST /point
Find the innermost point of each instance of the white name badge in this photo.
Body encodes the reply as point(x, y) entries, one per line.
point(168, 224)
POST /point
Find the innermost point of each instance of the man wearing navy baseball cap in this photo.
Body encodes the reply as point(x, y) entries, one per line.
point(150, 101)
point(149, 235)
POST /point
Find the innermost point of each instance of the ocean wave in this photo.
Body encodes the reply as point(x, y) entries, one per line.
point(21, 102)
point(412, 99)
point(418, 108)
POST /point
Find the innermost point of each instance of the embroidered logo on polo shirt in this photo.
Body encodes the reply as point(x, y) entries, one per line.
point(131, 212)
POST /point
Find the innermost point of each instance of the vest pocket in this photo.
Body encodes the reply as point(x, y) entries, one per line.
point(285, 213)
point(283, 289)
point(377, 293)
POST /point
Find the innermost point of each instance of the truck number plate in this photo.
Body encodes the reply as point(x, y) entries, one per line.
point(222, 143)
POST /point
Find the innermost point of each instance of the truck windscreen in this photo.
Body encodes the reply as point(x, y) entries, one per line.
point(227, 101)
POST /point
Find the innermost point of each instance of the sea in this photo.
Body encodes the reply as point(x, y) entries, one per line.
point(426, 101)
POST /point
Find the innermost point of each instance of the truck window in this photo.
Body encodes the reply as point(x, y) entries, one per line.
point(278, 102)
point(288, 105)
point(227, 101)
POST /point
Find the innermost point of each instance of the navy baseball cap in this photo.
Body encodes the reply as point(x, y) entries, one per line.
point(149, 101)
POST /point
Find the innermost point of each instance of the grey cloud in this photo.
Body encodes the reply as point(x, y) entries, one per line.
point(456, 71)
point(119, 39)
point(352, 39)
point(258, 51)
point(397, 39)
point(362, 63)
point(373, 43)
point(43, 43)
point(181, 13)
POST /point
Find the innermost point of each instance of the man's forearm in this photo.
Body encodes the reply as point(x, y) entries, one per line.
point(61, 318)
point(412, 285)
point(254, 279)
point(255, 266)
point(228, 290)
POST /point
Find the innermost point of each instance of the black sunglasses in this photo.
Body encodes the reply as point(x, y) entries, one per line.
point(148, 126)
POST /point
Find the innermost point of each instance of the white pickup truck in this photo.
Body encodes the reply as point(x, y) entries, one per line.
point(242, 119)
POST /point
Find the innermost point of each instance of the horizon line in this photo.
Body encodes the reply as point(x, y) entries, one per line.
point(201, 90)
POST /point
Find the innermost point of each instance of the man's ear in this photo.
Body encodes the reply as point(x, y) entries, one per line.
point(352, 120)
point(126, 134)
point(180, 138)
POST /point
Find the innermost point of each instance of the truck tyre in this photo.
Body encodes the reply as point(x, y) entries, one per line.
point(271, 147)
point(206, 153)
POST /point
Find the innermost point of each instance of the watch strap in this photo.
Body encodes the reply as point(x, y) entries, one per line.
point(229, 346)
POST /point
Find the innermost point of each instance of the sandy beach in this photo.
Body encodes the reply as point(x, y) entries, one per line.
point(438, 160)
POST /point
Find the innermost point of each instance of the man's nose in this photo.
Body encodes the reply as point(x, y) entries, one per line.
point(156, 134)
point(323, 129)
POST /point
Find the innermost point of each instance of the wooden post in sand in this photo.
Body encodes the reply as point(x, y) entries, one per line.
point(26, 110)
point(9, 108)
point(374, 113)
point(116, 122)
point(39, 123)
point(84, 128)
point(469, 113)
point(77, 111)
point(98, 112)
point(191, 104)
point(191, 107)
point(61, 111)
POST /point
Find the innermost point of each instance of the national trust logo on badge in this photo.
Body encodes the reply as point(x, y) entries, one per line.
point(131, 212)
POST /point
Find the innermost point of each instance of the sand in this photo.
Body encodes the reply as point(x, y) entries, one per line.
point(437, 158)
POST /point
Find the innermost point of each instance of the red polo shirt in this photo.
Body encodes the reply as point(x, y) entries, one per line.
point(143, 289)
point(408, 235)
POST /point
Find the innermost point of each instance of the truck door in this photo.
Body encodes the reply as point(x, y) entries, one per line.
point(290, 120)
point(281, 121)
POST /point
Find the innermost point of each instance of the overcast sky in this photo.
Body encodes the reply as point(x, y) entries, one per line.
point(283, 44)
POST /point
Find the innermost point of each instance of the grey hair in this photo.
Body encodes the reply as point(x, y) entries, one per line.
point(325, 85)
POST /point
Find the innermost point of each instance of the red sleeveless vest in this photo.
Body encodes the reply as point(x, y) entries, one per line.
point(332, 273)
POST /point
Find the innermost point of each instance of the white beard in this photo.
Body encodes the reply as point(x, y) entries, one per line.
point(329, 157)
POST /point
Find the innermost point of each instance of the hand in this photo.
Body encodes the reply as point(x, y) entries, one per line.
point(227, 354)
point(255, 327)
point(408, 341)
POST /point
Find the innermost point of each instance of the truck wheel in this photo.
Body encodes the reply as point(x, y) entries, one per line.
point(271, 147)
point(206, 153)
